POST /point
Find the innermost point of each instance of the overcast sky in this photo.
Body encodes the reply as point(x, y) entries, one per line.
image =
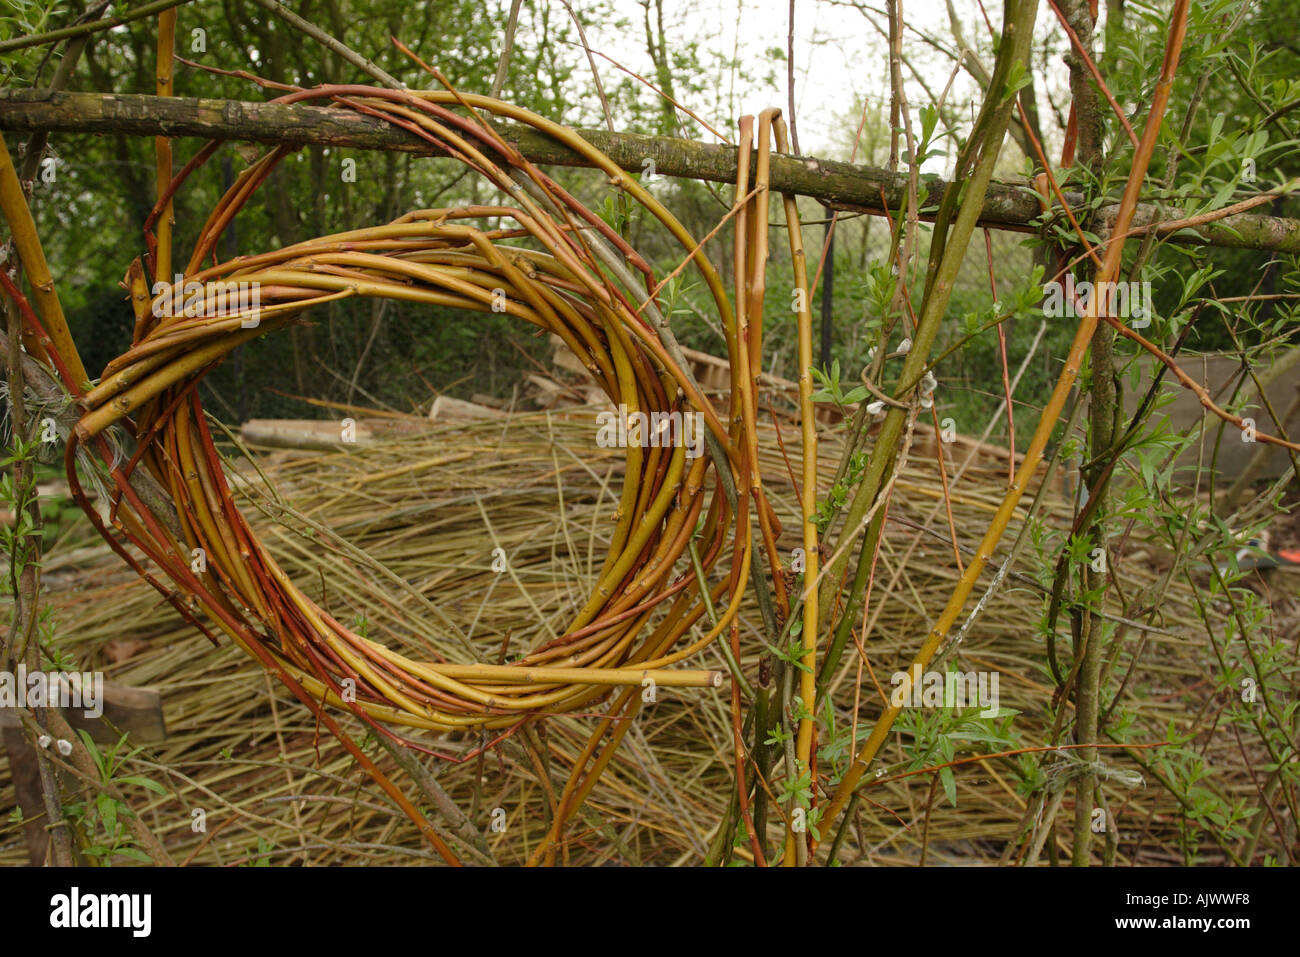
point(840, 58)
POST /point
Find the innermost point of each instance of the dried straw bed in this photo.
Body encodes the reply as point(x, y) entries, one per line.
point(247, 753)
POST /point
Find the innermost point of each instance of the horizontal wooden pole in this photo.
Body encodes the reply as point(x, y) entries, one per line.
point(836, 184)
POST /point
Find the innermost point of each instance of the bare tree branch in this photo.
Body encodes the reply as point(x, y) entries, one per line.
point(836, 184)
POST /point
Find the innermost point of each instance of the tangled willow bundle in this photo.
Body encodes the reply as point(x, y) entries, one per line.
point(548, 261)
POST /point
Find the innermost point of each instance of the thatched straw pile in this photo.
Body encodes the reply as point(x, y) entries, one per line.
point(396, 539)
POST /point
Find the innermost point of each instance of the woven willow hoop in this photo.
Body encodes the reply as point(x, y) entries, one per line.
point(548, 261)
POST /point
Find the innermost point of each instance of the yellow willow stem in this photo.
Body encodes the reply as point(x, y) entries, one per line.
point(163, 145)
point(23, 230)
point(573, 794)
point(95, 422)
point(808, 426)
point(572, 798)
point(541, 674)
point(750, 358)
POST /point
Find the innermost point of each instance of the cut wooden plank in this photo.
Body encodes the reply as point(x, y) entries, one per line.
point(137, 711)
point(306, 434)
point(26, 775)
point(564, 359)
point(447, 409)
point(548, 393)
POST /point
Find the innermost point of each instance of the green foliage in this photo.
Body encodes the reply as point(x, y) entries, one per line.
point(838, 495)
point(21, 18)
point(263, 856)
point(830, 390)
point(934, 737)
point(101, 819)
